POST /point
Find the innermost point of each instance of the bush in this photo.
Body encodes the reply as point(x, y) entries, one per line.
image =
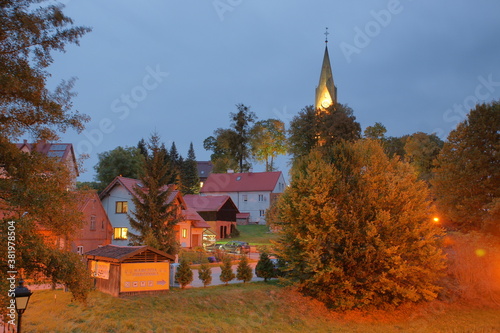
point(184, 274)
point(265, 267)
point(244, 271)
point(197, 256)
point(226, 273)
point(205, 274)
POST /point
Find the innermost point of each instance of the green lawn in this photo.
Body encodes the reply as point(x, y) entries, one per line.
point(255, 234)
point(251, 307)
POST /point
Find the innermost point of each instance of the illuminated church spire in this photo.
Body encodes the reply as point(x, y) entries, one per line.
point(326, 92)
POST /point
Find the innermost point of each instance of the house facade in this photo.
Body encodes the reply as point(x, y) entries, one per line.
point(96, 230)
point(117, 202)
point(251, 192)
point(219, 211)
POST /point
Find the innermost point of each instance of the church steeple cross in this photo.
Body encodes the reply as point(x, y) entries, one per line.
point(326, 35)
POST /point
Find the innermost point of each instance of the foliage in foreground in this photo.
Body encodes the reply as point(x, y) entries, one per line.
point(356, 229)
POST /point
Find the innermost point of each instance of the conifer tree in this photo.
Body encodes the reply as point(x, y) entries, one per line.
point(155, 216)
point(265, 267)
point(226, 273)
point(244, 271)
point(356, 229)
point(184, 274)
point(205, 274)
point(189, 173)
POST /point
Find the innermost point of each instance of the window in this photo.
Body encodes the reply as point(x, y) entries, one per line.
point(184, 233)
point(245, 197)
point(92, 222)
point(121, 233)
point(261, 197)
point(79, 250)
point(262, 212)
point(121, 207)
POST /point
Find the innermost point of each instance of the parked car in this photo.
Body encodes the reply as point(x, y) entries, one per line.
point(213, 247)
point(237, 247)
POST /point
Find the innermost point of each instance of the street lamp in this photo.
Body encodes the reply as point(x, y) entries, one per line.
point(22, 296)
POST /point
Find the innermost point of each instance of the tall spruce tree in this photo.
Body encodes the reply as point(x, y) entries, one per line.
point(189, 173)
point(356, 229)
point(156, 214)
point(265, 267)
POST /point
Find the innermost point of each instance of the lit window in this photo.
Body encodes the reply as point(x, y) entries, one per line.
point(262, 212)
point(79, 250)
point(92, 222)
point(120, 233)
point(121, 207)
point(184, 233)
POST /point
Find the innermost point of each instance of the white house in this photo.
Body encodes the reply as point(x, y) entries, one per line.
point(117, 201)
point(252, 192)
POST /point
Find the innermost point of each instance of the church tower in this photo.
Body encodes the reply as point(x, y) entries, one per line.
point(326, 92)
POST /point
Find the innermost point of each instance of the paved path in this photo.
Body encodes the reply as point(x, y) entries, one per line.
point(216, 276)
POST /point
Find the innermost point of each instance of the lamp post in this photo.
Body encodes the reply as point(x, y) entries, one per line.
point(22, 296)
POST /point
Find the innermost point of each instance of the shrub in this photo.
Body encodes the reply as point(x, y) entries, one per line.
point(184, 274)
point(226, 273)
point(205, 274)
point(265, 267)
point(244, 271)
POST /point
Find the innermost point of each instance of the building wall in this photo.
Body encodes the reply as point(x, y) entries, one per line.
point(118, 220)
point(91, 237)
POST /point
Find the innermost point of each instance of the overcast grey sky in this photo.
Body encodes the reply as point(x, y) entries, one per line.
point(179, 67)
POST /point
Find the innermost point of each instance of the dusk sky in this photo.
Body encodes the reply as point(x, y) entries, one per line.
point(180, 67)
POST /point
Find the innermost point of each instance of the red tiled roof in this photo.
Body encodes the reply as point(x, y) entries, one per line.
point(241, 182)
point(61, 151)
point(191, 215)
point(206, 203)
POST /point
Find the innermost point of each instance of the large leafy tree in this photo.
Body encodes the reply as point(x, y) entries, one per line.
point(121, 161)
point(268, 140)
point(155, 214)
point(311, 128)
point(421, 151)
point(467, 176)
point(356, 230)
point(231, 147)
point(34, 188)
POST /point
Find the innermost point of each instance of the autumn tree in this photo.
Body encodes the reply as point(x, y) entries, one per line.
point(189, 174)
point(311, 128)
point(156, 213)
point(244, 271)
point(375, 132)
point(356, 229)
point(34, 188)
point(467, 176)
point(184, 274)
point(226, 274)
point(421, 150)
point(121, 161)
point(205, 274)
point(231, 147)
point(268, 141)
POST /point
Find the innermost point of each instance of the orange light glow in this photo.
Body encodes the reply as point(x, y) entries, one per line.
point(480, 252)
point(436, 219)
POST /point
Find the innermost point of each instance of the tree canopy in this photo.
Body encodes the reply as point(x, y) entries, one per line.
point(311, 128)
point(267, 141)
point(467, 175)
point(356, 228)
point(121, 161)
point(34, 188)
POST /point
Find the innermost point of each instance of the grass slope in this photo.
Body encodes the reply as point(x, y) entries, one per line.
point(255, 234)
point(254, 307)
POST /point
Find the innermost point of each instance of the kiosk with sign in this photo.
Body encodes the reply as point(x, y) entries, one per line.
point(128, 270)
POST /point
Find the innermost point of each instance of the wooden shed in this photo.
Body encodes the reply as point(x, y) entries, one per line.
point(129, 270)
